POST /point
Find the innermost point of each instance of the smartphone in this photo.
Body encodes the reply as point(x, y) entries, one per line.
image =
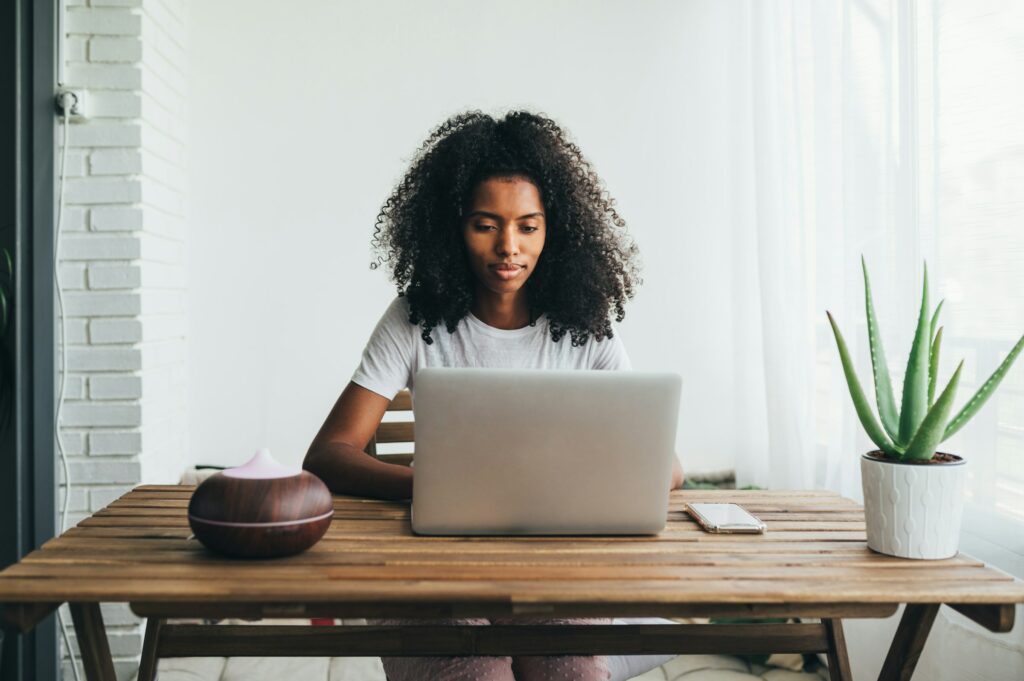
point(725, 518)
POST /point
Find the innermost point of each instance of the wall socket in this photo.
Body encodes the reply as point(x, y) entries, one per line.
point(77, 110)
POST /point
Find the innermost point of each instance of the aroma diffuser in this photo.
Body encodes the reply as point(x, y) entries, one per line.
point(260, 510)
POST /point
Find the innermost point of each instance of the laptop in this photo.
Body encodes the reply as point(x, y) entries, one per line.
point(514, 452)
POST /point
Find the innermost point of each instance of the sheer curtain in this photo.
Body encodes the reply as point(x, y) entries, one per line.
point(889, 129)
point(833, 168)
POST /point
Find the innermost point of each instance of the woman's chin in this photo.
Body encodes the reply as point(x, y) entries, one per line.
point(505, 287)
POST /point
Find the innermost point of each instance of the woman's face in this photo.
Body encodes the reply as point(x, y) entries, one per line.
point(504, 231)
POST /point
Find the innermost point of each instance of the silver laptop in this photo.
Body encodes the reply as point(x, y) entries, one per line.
point(509, 451)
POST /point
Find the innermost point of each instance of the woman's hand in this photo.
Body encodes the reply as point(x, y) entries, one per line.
point(677, 474)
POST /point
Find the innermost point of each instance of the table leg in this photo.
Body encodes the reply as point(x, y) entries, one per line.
point(908, 642)
point(838, 661)
point(92, 642)
point(150, 649)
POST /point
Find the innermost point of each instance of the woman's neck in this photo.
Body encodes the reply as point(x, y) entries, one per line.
point(502, 312)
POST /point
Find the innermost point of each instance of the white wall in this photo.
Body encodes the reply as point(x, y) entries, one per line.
point(302, 120)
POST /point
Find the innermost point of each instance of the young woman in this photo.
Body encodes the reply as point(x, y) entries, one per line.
point(507, 253)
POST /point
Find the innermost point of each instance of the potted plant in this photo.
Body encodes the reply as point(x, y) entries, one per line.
point(913, 495)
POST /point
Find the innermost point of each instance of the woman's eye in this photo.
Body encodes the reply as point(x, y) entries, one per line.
point(529, 228)
point(482, 227)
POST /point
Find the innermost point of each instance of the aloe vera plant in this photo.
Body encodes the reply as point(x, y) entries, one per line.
point(923, 420)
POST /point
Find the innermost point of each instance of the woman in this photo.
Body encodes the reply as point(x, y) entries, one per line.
point(507, 253)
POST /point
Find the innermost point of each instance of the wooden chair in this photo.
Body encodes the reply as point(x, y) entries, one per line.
point(396, 431)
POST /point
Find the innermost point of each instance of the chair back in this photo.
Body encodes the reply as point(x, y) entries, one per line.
point(395, 431)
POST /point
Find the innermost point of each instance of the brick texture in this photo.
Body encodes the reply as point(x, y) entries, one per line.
point(122, 263)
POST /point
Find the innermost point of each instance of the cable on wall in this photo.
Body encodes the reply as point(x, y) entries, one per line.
point(67, 103)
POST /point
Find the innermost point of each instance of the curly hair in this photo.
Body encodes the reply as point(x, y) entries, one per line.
point(588, 266)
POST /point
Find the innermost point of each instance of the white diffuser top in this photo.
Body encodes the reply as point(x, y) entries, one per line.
point(262, 466)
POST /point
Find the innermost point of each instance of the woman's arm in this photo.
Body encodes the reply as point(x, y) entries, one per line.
point(336, 454)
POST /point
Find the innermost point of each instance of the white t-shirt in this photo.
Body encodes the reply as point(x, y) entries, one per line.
point(396, 350)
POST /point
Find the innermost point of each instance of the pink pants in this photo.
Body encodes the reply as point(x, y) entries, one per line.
point(539, 668)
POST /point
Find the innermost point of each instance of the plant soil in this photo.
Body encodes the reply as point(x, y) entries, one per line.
point(937, 458)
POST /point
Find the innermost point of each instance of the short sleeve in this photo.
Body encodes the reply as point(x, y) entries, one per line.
point(386, 364)
point(610, 354)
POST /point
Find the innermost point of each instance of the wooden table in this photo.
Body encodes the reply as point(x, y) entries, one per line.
point(812, 563)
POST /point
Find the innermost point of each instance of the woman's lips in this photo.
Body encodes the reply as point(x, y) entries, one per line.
point(507, 272)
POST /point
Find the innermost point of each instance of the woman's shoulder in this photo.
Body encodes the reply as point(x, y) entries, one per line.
point(397, 311)
point(394, 322)
point(609, 352)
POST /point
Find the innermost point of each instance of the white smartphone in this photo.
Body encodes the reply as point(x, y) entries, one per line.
point(725, 518)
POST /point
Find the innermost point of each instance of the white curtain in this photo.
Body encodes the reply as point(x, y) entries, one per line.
point(890, 129)
point(832, 167)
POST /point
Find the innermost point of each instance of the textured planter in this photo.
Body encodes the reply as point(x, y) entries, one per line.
point(913, 510)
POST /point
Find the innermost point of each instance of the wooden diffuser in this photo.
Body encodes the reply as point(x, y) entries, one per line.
point(260, 510)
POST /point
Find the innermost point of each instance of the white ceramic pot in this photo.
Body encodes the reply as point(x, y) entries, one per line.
point(913, 510)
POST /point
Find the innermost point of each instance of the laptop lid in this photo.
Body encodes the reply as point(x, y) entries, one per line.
point(510, 451)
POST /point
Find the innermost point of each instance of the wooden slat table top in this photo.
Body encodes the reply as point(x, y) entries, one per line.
point(139, 549)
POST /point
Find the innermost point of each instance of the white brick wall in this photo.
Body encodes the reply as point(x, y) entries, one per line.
point(122, 262)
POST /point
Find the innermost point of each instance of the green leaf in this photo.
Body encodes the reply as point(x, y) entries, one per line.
point(933, 367)
point(860, 403)
point(929, 435)
point(883, 384)
point(984, 392)
point(3, 311)
point(935, 318)
point(915, 381)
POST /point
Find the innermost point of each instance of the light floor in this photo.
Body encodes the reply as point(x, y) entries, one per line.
point(683, 668)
